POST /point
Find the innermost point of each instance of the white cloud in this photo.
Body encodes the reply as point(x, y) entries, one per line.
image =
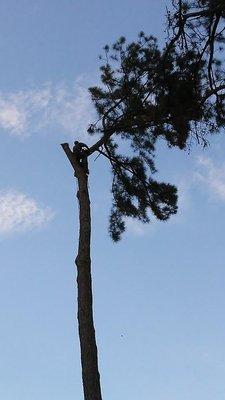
point(11, 119)
point(19, 213)
point(58, 107)
point(212, 176)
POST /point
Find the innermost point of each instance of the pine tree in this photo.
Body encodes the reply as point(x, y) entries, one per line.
point(147, 94)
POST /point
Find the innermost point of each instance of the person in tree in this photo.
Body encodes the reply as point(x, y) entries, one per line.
point(80, 151)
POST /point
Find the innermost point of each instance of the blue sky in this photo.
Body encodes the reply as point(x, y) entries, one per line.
point(159, 293)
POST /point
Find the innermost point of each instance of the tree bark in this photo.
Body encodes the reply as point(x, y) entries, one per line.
point(89, 357)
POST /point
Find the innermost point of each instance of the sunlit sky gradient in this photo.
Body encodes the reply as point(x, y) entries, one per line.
point(159, 294)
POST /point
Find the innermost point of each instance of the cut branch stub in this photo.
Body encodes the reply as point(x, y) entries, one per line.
point(69, 155)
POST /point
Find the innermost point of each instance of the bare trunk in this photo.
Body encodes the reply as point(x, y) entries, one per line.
point(89, 357)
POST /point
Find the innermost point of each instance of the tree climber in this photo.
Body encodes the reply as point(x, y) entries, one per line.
point(80, 151)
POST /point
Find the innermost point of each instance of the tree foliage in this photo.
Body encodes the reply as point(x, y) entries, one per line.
point(147, 94)
point(128, 113)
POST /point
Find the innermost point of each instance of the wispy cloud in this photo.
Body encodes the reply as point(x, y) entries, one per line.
point(12, 119)
point(212, 176)
point(67, 110)
point(19, 213)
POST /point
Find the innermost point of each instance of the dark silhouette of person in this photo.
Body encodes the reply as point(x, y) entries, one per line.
point(80, 151)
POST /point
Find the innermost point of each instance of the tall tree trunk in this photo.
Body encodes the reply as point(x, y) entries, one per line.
point(89, 357)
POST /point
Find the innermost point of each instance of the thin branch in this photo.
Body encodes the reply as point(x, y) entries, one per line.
point(212, 92)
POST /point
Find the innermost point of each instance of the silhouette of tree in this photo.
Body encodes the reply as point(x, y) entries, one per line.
point(147, 94)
